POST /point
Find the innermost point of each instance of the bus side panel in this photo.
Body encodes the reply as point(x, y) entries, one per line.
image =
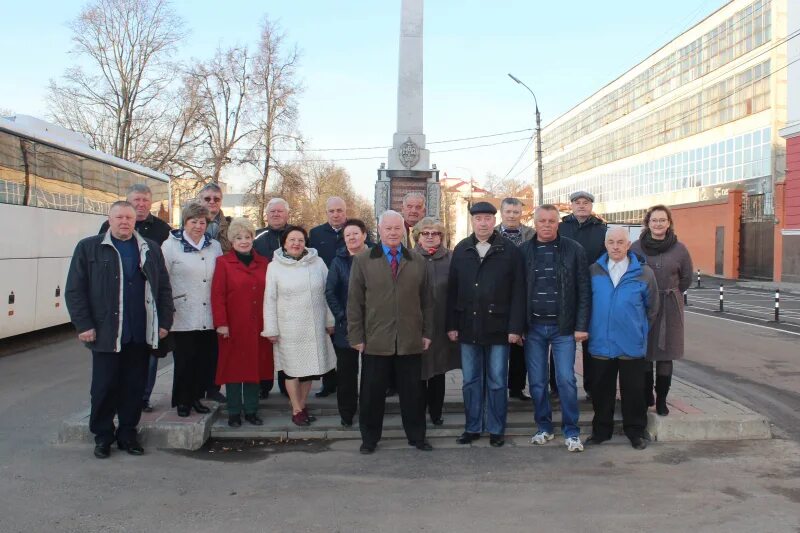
point(50, 307)
point(17, 296)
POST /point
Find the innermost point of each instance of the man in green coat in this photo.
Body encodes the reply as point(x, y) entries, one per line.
point(390, 321)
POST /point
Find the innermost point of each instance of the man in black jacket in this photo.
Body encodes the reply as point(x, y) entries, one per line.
point(119, 299)
point(485, 314)
point(590, 232)
point(558, 294)
point(150, 227)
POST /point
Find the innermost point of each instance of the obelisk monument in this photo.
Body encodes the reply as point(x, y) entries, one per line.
point(409, 166)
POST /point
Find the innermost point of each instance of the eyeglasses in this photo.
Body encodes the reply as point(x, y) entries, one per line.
point(430, 233)
point(212, 199)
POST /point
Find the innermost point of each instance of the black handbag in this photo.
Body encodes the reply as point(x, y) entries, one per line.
point(165, 345)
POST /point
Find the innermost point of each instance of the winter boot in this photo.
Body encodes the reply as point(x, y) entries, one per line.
point(662, 388)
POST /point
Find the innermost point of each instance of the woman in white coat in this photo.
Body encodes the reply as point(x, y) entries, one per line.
point(190, 255)
point(297, 319)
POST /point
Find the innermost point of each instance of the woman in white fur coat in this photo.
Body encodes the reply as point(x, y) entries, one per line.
point(297, 319)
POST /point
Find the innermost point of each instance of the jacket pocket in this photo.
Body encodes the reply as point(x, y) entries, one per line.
point(497, 318)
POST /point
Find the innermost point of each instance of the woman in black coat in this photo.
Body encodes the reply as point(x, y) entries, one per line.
point(355, 236)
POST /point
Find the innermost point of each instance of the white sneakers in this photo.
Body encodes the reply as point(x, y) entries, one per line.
point(573, 444)
point(541, 437)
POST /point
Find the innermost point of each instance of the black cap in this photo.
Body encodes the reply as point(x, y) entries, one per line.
point(483, 207)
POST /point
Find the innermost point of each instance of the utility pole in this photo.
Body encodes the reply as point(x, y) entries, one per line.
point(539, 171)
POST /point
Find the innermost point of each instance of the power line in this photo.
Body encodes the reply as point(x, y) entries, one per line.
point(521, 154)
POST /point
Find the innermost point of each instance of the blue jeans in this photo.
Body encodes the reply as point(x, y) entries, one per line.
point(485, 370)
point(152, 370)
point(539, 338)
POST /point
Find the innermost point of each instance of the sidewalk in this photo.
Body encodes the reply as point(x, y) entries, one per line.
point(696, 414)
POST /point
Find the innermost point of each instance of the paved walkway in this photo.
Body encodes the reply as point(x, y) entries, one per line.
point(696, 414)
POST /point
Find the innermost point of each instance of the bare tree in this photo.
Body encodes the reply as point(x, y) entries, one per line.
point(504, 187)
point(120, 102)
point(222, 89)
point(275, 89)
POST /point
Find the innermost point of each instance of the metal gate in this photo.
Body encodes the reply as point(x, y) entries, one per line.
point(757, 240)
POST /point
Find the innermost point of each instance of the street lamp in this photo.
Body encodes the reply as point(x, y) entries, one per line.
point(539, 177)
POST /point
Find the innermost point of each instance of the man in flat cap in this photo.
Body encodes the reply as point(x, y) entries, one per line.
point(590, 232)
point(485, 314)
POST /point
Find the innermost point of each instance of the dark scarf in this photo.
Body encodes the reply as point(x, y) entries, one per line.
point(287, 256)
point(244, 258)
point(651, 246)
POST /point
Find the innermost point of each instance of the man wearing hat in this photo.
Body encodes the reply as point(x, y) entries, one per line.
point(485, 314)
point(590, 232)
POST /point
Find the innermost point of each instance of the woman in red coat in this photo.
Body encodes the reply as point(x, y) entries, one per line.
point(237, 300)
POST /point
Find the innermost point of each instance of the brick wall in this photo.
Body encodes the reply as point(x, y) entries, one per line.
point(791, 193)
point(696, 225)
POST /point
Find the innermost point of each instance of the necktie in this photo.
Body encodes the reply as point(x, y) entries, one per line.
point(394, 262)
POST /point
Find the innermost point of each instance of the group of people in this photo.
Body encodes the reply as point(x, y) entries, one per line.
point(509, 302)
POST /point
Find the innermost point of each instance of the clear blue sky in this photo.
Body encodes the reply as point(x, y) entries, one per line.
point(564, 51)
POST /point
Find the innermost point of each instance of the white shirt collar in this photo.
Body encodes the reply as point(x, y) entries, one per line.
point(198, 246)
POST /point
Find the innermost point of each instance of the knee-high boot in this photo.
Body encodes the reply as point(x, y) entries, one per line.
point(662, 388)
point(648, 388)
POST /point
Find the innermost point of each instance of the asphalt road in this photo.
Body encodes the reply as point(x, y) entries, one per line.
point(753, 305)
point(328, 486)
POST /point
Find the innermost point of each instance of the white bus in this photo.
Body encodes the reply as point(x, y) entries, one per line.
point(54, 191)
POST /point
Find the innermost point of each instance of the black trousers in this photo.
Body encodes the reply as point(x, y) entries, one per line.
point(517, 371)
point(118, 381)
point(631, 386)
point(195, 356)
point(434, 395)
point(347, 376)
point(375, 378)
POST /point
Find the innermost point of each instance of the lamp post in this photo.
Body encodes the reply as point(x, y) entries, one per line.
point(539, 177)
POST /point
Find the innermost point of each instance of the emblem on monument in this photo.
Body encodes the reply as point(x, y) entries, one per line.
point(409, 153)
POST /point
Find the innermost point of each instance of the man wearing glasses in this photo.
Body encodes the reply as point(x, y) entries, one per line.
point(211, 197)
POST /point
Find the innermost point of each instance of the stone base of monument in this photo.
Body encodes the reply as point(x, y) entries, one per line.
point(696, 414)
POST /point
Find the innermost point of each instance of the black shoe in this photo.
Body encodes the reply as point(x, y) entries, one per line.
point(589, 397)
point(146, 407)
point(102, 451)
point(309, 416)
point(216, 396)
point(184, 410)
point(638, 443)
point(347, 423)
point(468, 437)
point(661, 407)
point(200, 408)
point(496, 440)
point(437, 421)
point(423, 446)
point(594, 440)
point(254, 419)
point(235, 421)
point(391, 391)
point(518, 394)
point(132, 447)
point(263, 395)
point(367, 449)
point(324, 393)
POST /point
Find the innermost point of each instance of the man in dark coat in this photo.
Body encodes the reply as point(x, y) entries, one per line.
point(590, 232)
point(119, 299)
point(390, 321)
point(485, 313)
point(266, 242)
point(150, 227)
point(515, 231)
point(211, 197)
point(558, 294)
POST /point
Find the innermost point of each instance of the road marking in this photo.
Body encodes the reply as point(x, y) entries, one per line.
point(745, 323)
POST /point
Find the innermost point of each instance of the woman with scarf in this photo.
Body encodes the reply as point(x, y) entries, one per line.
point(672, 265)
point(443, 354)
point(190, 255)
point(297, 319)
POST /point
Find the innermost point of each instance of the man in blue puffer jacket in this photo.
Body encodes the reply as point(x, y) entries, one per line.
point(624, 305)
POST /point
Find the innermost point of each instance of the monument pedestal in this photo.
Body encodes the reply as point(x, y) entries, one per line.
point(393, 185)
